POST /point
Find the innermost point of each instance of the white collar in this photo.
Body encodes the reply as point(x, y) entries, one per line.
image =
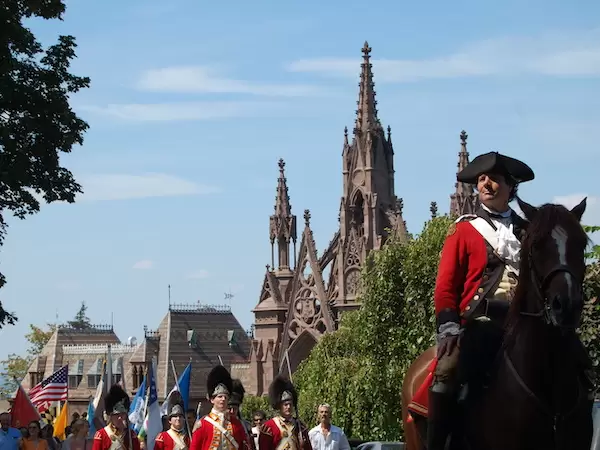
point(506, 214)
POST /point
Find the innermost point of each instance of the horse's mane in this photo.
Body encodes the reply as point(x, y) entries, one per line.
point(548, 216)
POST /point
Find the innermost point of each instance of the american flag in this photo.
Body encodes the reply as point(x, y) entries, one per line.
point(53, 389)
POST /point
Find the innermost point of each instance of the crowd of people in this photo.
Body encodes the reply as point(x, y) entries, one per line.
point(221, 429)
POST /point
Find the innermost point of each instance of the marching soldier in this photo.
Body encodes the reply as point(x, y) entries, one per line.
point(116, 435)
point(284, 431)
point(176, 437)
point(219, 430)
point(477, 276)
point(235, 401)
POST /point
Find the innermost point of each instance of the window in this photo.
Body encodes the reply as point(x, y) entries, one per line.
point(93, 381)
point(75, 381)
point(35, 378)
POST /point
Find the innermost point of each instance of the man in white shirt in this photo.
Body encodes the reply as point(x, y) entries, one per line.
point(327, 436)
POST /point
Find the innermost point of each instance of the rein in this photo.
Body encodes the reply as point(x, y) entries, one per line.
point(545, 311)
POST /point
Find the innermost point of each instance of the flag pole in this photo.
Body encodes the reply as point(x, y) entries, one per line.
point(179, 390)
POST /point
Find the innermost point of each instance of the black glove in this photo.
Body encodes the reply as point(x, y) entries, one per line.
point(447, 344)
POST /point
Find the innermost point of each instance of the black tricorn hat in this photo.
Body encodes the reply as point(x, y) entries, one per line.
point(237, 393)
point(282, 390)
point(494, 162)
point(218, 382)
point(116, 401)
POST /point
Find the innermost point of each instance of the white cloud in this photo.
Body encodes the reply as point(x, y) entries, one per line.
point(558, 54)
point(191, 111)
point(144, 264)
point(592, 211)
point(200, 274)
point(200, 79)
point(122, 186)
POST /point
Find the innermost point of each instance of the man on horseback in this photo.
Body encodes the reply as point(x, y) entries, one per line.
point(477, 276)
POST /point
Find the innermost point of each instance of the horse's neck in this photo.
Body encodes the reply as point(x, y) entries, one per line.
point(544, 359)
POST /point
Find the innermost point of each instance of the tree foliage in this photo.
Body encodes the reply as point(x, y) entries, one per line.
point(36, 121)
point(14, 367)
point(359, 369)
point(590, 329)
point(254, 403)
point(81, 320)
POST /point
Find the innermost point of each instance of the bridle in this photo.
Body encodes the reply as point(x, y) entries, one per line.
point(539, 284)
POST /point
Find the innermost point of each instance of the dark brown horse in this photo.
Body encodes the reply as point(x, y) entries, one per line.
point(536, 394)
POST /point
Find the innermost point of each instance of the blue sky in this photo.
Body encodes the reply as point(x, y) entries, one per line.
point(192, 103)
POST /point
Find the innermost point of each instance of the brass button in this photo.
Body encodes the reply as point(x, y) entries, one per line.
point(486, 277)
point(480, 290)
point(468, 308)
point(476, 297)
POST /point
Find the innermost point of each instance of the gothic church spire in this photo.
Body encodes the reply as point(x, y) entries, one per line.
point(282, 224)
point(465, 199)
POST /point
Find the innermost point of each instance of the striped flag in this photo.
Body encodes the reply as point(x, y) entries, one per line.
point(53, 389)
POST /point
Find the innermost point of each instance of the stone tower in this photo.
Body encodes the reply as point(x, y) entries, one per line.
point(464, 200)
point(369, 207)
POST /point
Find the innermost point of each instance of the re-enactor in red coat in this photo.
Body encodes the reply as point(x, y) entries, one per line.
point(176, 437)
point(477, 275)
point(219, 430)
point(116, 435)
point(284, 431)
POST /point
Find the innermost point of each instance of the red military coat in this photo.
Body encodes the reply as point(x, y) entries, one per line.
point(277, 434)
point(462, 264)
point(172, 440)
point(106, 439)
point(209, 437)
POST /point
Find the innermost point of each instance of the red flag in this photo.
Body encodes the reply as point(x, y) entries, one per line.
point(23, 411)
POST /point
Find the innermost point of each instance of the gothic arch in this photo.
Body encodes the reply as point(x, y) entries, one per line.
point(357, 211)
point(299, 350)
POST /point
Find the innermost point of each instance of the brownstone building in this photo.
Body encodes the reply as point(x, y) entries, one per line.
point(297, 305)
point(204, 335)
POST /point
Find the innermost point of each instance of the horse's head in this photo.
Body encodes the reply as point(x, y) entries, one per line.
point(553, 258)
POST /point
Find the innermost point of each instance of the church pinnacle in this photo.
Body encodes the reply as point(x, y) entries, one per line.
point(464, 200)
point(366, 114)
point(282, 224)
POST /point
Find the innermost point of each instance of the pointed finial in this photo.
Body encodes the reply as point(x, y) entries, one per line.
point(366, 50)
point(400, 205)
point(307, 217)
point(268, 266)
point(463, 137)
point(346, 132)
point(281, 164)
point(389, 136)
point(434, 210)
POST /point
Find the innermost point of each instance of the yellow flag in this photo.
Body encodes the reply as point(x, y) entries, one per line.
point(60, 424)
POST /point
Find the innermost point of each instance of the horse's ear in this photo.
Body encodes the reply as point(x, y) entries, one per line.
point(529, 210)
point(579, 209)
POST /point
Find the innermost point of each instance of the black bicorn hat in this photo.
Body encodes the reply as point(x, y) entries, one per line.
point(116, 401)
point(494, 162)
point(218, 382)
point(237, 393)
point(282, 390)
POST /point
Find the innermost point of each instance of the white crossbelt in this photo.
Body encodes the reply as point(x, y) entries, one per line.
point(223, 431)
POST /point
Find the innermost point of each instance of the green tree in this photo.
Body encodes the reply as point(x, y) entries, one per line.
point(81, 320)
point(590, 327)
point(14, 367)
point(36, 121)
point(253, 403)
point(359, 369)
